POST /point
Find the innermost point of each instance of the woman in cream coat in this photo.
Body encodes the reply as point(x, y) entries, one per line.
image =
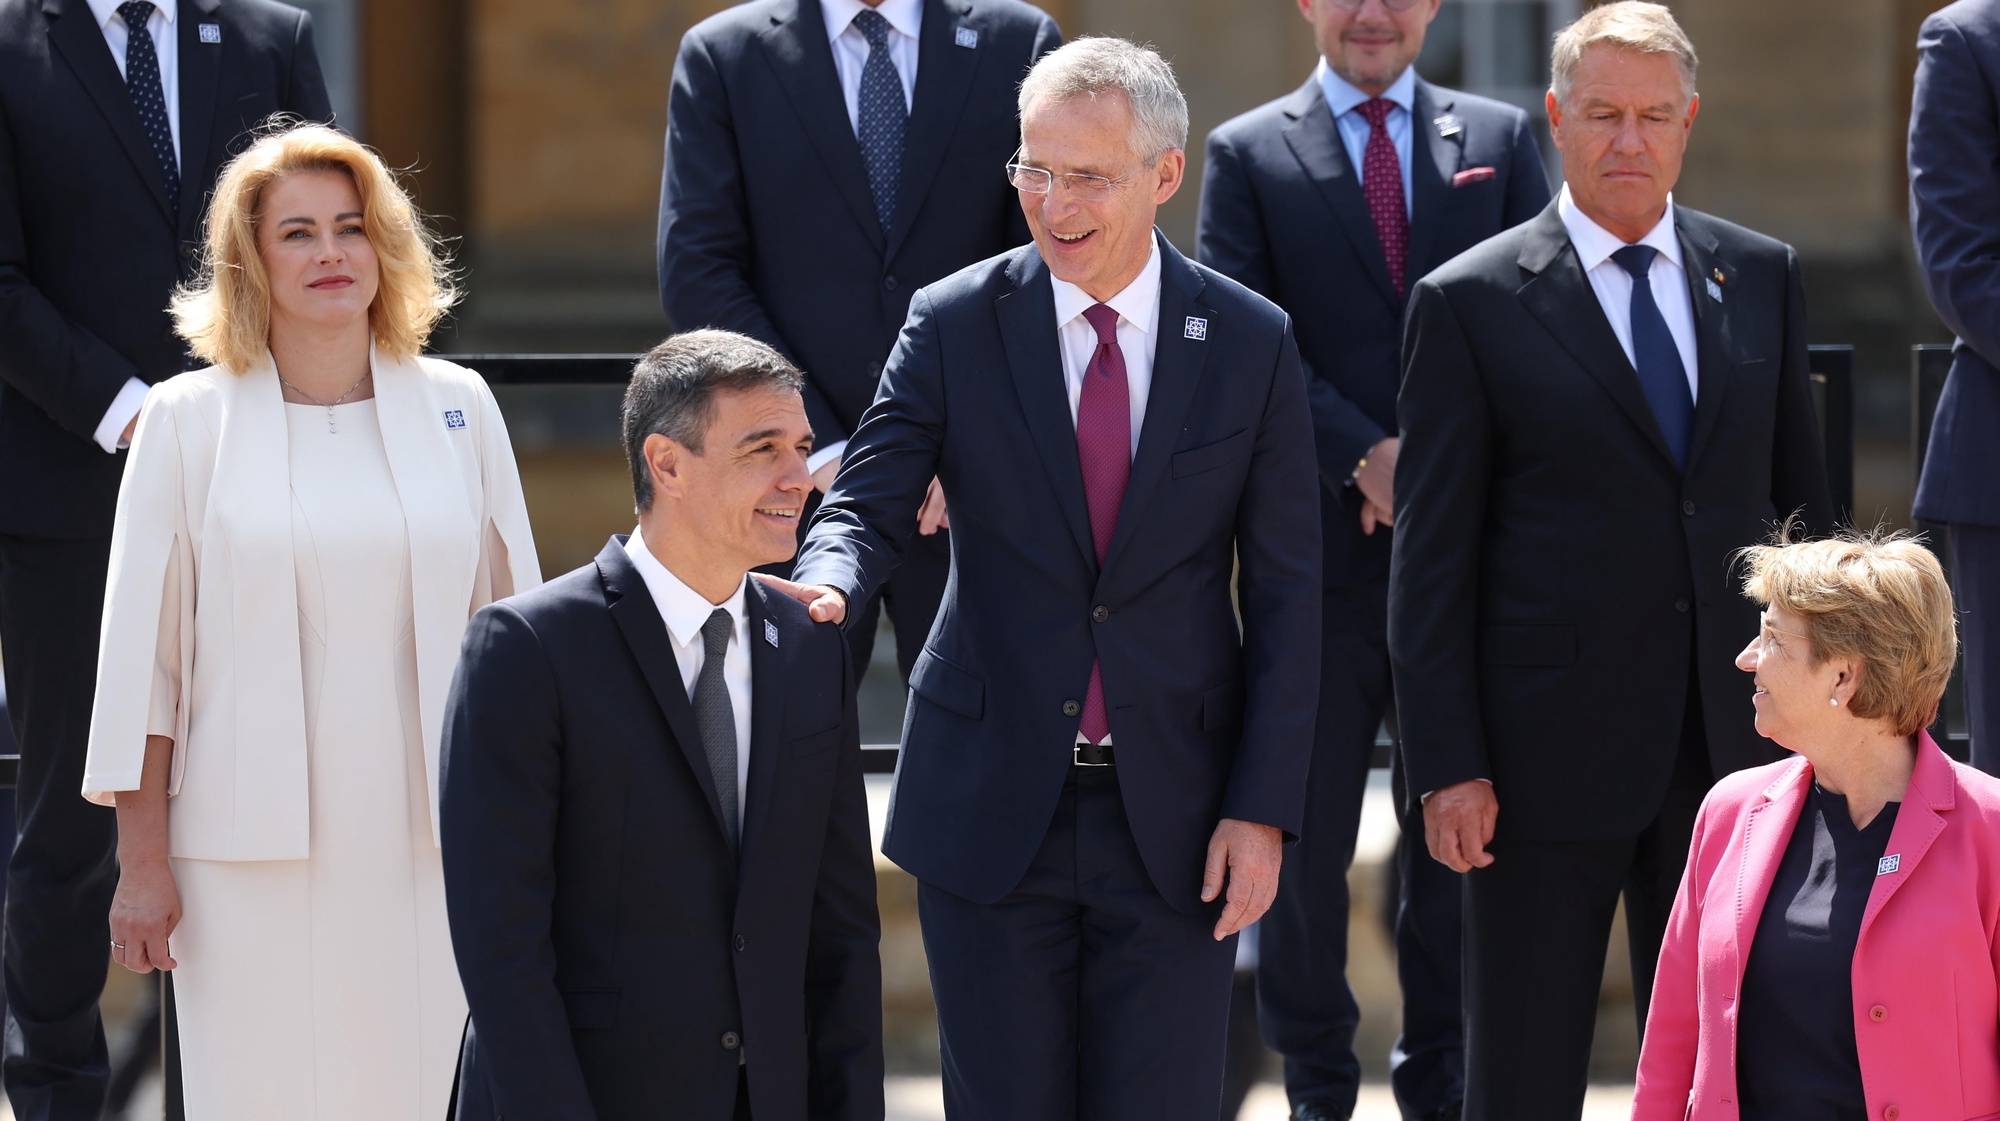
point(303, 530)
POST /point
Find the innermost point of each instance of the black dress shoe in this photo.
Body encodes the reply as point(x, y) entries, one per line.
point(1317, 1111)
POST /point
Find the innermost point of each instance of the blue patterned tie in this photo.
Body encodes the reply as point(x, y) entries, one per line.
point(882, 117)
point(142, 81)
point(1655, 356)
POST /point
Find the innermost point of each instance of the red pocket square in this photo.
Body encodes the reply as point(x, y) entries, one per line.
point(1472, 175)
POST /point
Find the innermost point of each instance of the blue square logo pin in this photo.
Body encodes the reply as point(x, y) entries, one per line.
point(1888, 864)
point(210, 32)
point(771, 633)
point(1715, 291)
point(1197, 328)
point(1448, 125)
point(454, 418)
point(967, 37)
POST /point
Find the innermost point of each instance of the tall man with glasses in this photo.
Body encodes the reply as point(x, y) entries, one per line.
point(1599, 408)
point(1098, 766)
point(114, 121)
point(901, 109)
point(1331, 201)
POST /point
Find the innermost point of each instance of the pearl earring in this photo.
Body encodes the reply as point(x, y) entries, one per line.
point(1834, 701)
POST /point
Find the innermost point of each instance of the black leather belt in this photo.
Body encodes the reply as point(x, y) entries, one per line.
point(1094, 755)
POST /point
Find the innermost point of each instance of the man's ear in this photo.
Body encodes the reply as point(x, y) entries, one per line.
point(666, 463)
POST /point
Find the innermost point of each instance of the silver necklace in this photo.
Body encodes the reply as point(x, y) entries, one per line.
point(327, 405)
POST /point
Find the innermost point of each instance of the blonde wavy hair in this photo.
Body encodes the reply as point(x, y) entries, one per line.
point(225, 313)
point(1878, 598)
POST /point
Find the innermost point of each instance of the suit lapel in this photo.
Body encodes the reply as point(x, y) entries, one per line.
point(1766, 832)
point(1918, 823)
point(1177, 366)
point(81, 43)
point(1315, 142)
point(638, 619)
point(1559, 295)
point(768, 674)
point(944, 78)
point(200, 69)
point(802, 61)
point(1034, 357)
point(1713, 354)
point(1434, 159)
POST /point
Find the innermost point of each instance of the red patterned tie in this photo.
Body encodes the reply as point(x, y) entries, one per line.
point(1104, 448)
point(1382, 183)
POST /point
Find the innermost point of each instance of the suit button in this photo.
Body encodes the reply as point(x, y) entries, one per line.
point(1071, 708)
point(1687, 507)
point(1878, 1013)
point(741, 942)
point(889, 283)
point(731, 1041)
point(1100, 614)
point(1681, 605)
point(1891, 1113)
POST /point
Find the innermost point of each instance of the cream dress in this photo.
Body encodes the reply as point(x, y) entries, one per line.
point(324, 989)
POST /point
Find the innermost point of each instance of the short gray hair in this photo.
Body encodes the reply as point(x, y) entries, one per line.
point(1633, 25)
point(672, 392)
point(1096, 64)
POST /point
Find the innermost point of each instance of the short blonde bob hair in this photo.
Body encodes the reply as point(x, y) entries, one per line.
point(1632, 25)
point(1878, 598)
point(225, 314)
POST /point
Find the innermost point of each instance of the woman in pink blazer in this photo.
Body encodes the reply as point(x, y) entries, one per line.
point(1833, 952)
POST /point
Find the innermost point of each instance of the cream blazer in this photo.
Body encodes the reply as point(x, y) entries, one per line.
point(202, 550)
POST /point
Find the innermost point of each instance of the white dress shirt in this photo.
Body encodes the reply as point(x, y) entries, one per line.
point(166, 45)
point(1613, 285)
point(685, 610)
point(1138, 308)
point(1346, 101)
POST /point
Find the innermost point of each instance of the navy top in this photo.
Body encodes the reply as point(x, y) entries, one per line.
point(1795, 1056)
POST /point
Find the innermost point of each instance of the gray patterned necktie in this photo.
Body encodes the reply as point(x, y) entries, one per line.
point(142, 81)
point(881, 118)
point(715, 716)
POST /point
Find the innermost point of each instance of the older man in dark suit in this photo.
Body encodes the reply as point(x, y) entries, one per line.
point(1955, 212)
point(1599, 407)
point(114, 120)
point(901, 110)
point(1330, 201)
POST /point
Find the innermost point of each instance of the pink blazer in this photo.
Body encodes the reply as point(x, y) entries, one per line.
point(1926, 1001)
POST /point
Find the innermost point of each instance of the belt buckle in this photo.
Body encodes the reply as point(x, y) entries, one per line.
point(1076, 755)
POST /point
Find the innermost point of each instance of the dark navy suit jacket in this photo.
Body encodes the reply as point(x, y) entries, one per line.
point(618, 956)
point(1209, 721)
point(1282, 212)
point(767, 225)
point(89, 252)
point(1955, 212)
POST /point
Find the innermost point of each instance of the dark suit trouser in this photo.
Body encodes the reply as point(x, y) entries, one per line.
point(912, 595)
point(1081, 995)
point(60, 879)
point(1305, 1006)
point(1975, 586)
point(1536, 926)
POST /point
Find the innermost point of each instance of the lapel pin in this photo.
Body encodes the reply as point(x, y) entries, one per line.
point(1449, 125)
point(1715, 291)
point(1716, 275)
point(454, 418)
point(1197, 328)
point(1888, 864)
point(771, 633)
point(210, 32)
point(967, 37)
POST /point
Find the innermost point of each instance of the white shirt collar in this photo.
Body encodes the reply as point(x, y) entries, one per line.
point(1342, 97)
point(683, 609)
point(104, 11)
point(1595, 244)
point(1138, 303)
point(905, 16)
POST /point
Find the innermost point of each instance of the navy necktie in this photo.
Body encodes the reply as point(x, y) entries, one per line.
point(715, 716)
point(882, 117)
point(142, 81)
point(1657, 359)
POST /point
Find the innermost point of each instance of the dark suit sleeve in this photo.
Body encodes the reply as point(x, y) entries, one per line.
point(1433, 568)
point(68, 372)
point(843, 959)
point(1278, 591)
point(1047, 38)
point(1231, 237)
point(862, 528)
point(1798, 464)
point(1527, 180)
point(704, 236)
point(305, 93)
point(1955, 185)
point(501, 787)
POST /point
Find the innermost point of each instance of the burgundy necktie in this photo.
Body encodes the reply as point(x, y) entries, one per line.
point(1104, 448)
point(1382, 183)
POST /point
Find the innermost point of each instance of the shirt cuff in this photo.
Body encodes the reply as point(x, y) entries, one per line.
point(823, 456)
point(1427, 794)
point(110, 434)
